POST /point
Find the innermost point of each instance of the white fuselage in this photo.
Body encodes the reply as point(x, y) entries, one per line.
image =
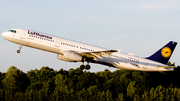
point(60, 45)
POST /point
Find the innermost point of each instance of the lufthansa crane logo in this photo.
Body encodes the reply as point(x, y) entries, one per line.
point(166, 52)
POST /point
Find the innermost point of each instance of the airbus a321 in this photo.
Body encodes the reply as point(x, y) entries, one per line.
point(73, 51)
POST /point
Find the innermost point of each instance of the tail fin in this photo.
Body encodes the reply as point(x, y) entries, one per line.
point(163, 55)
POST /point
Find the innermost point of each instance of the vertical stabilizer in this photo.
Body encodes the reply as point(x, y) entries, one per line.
point(163, 55)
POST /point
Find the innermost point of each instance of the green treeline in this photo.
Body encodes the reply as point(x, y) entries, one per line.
point(47, 84)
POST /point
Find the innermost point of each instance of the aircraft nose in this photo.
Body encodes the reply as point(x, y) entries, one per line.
point(4, 34)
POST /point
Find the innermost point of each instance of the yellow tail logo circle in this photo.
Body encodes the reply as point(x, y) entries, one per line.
point(166, 52)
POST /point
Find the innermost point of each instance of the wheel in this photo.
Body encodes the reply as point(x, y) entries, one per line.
point(18, 51)
point(82, 67)
point(88, 67)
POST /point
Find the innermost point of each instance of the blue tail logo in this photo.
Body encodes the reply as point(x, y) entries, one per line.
point(163, 55)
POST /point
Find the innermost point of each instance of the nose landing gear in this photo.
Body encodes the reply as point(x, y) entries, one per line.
point(18, 51)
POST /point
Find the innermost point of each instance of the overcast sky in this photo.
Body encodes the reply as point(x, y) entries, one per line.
point(135, 26)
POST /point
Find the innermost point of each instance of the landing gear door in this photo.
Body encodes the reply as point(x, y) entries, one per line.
point(57, 42)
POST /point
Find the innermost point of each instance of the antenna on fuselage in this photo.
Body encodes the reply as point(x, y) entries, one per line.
point(119, 50)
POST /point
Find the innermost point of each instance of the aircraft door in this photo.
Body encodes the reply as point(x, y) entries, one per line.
point(145, 65)
point(23, 34)
point(57, 42)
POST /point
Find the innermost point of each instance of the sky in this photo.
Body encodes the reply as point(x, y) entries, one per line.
point(135, 26)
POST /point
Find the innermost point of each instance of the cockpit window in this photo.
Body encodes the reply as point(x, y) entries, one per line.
point(14, 31)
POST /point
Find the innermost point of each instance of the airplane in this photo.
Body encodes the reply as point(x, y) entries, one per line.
point(74, 51)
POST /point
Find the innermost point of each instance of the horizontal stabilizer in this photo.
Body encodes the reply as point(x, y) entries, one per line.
point(167, 67)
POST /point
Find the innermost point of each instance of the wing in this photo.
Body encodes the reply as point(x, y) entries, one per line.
point(97, 54)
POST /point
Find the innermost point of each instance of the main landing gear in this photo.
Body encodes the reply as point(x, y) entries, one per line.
point(18, 51)
point(87, 67)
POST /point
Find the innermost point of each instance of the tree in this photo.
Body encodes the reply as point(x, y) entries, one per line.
point(151, 94)
point(44, 74)
point(35, 87)
point(120, 97)
point(136, 97)
point(145, 96)
point(159, 93)
point(171, 64)
point(32, 76)
point(131, 90)
point(13, 80)
point(2, 76)
point(92, 90)
point(108, 96)
point(178, 94)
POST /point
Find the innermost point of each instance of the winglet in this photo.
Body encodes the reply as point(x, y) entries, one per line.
point(163, 55)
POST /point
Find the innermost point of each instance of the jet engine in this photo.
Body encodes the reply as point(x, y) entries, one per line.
point(61, 57)
point(70, 56)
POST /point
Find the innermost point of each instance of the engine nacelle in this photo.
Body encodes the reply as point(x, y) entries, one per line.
point(61, 57)
point(72, 56)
